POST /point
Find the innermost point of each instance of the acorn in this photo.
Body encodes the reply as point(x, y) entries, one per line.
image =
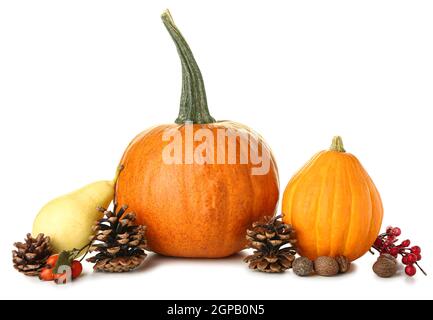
point(343, 264)
point(385, 266)
point(303, 266)
point(326, 266)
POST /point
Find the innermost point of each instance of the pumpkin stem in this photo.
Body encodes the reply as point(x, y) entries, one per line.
point(337, 144)
point(193, 102)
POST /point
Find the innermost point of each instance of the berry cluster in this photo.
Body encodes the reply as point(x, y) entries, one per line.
point(386, 243)
point(65, 259)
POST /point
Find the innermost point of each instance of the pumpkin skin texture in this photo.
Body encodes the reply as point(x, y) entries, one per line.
point(195, 210)
point(333, 205)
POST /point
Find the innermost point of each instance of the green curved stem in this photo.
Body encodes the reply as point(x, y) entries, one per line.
point(193, 102)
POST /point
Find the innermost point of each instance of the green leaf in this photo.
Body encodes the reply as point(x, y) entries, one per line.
point(65, 259)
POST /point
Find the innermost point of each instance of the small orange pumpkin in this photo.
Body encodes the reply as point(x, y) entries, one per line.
point(196, 209)
point(333, 205)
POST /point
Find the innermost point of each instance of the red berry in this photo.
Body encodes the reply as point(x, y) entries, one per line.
point(77, 268)
point(405, 243)
point(388, 242)
point(410, 270)
point(405, 260)
point(418, 257)
point(389, 229)
point(61, 278)
point(46, 274)
point(51, 262)
point(378, 243)
point(415, 250)
point(75, 272)
point(394, 251)
point(396, 232)
point(412, 258)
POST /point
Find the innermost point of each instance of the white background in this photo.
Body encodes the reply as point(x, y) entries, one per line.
point(79, 79)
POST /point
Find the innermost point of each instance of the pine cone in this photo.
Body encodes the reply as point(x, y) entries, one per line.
point(120, 243)
point(120, 264)
point(31, 255)
point(268, 238)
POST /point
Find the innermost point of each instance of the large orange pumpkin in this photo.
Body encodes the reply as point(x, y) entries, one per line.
point(193, 207)
point(333, 205)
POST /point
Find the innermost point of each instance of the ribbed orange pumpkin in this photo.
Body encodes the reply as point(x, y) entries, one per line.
point(196, 209)
point(333, 205)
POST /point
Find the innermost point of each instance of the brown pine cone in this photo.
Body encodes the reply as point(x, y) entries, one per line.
point(32, 254)
point(268, 238)
point(118, 241)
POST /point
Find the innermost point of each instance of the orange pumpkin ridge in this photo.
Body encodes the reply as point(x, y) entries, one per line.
point(333, 205)
point(192, 209)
